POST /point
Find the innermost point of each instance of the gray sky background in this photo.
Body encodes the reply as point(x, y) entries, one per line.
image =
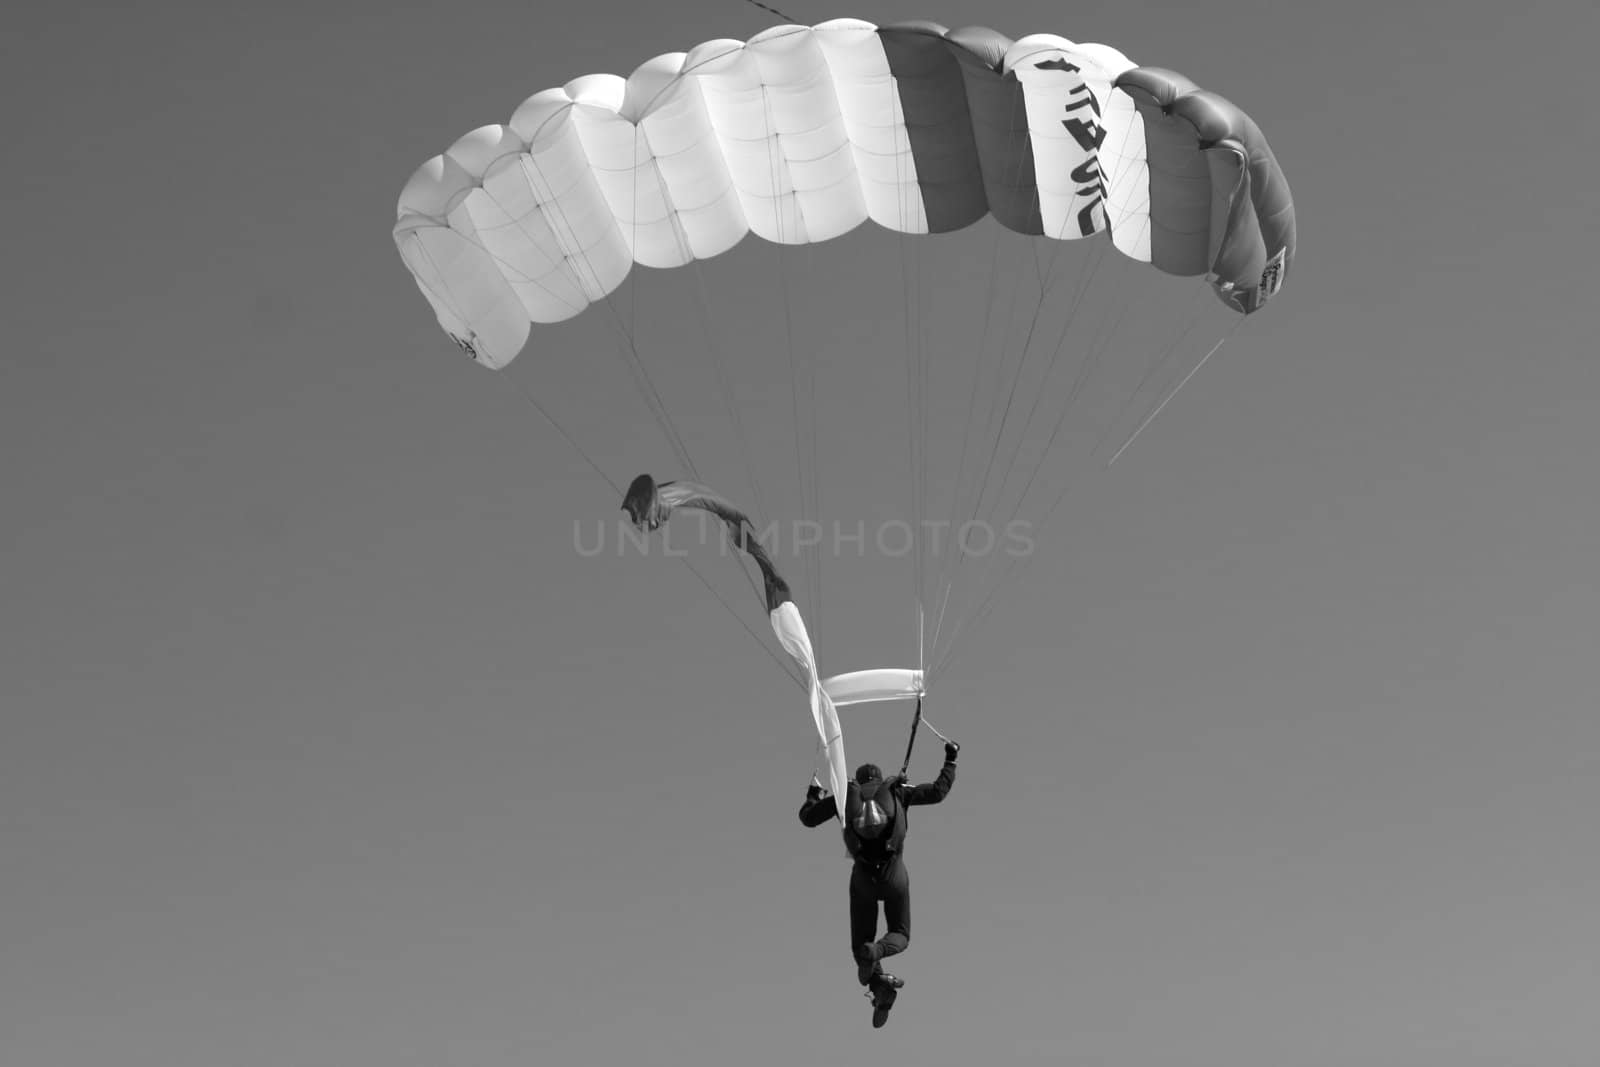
point(321, 744)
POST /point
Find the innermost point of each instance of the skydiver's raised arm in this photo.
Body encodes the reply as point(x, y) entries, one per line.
point(934, 791)
point(817, 809)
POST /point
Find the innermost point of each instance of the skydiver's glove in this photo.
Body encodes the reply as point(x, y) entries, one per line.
point(951, 751)
point(814, 791)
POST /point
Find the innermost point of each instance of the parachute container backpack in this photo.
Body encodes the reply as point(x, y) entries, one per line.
point(871, 820)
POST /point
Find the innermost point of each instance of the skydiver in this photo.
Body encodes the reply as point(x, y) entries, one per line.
point(874, 834)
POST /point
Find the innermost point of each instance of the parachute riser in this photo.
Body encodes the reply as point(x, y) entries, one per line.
point(911, 742)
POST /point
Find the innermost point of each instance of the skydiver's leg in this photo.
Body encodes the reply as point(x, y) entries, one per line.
point(863, 922)
point(896, 887)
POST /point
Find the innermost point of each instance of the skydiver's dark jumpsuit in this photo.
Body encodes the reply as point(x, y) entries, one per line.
point(879, 870)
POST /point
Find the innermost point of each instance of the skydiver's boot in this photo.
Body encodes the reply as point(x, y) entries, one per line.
point(866, 962)
point(885, 989)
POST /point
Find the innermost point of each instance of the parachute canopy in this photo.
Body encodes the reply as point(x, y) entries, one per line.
point(803, 133)
point(799, 136)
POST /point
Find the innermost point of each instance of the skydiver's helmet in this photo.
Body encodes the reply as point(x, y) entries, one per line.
point(870, 820)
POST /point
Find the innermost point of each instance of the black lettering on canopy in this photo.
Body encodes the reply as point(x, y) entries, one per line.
point(1090, 135)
